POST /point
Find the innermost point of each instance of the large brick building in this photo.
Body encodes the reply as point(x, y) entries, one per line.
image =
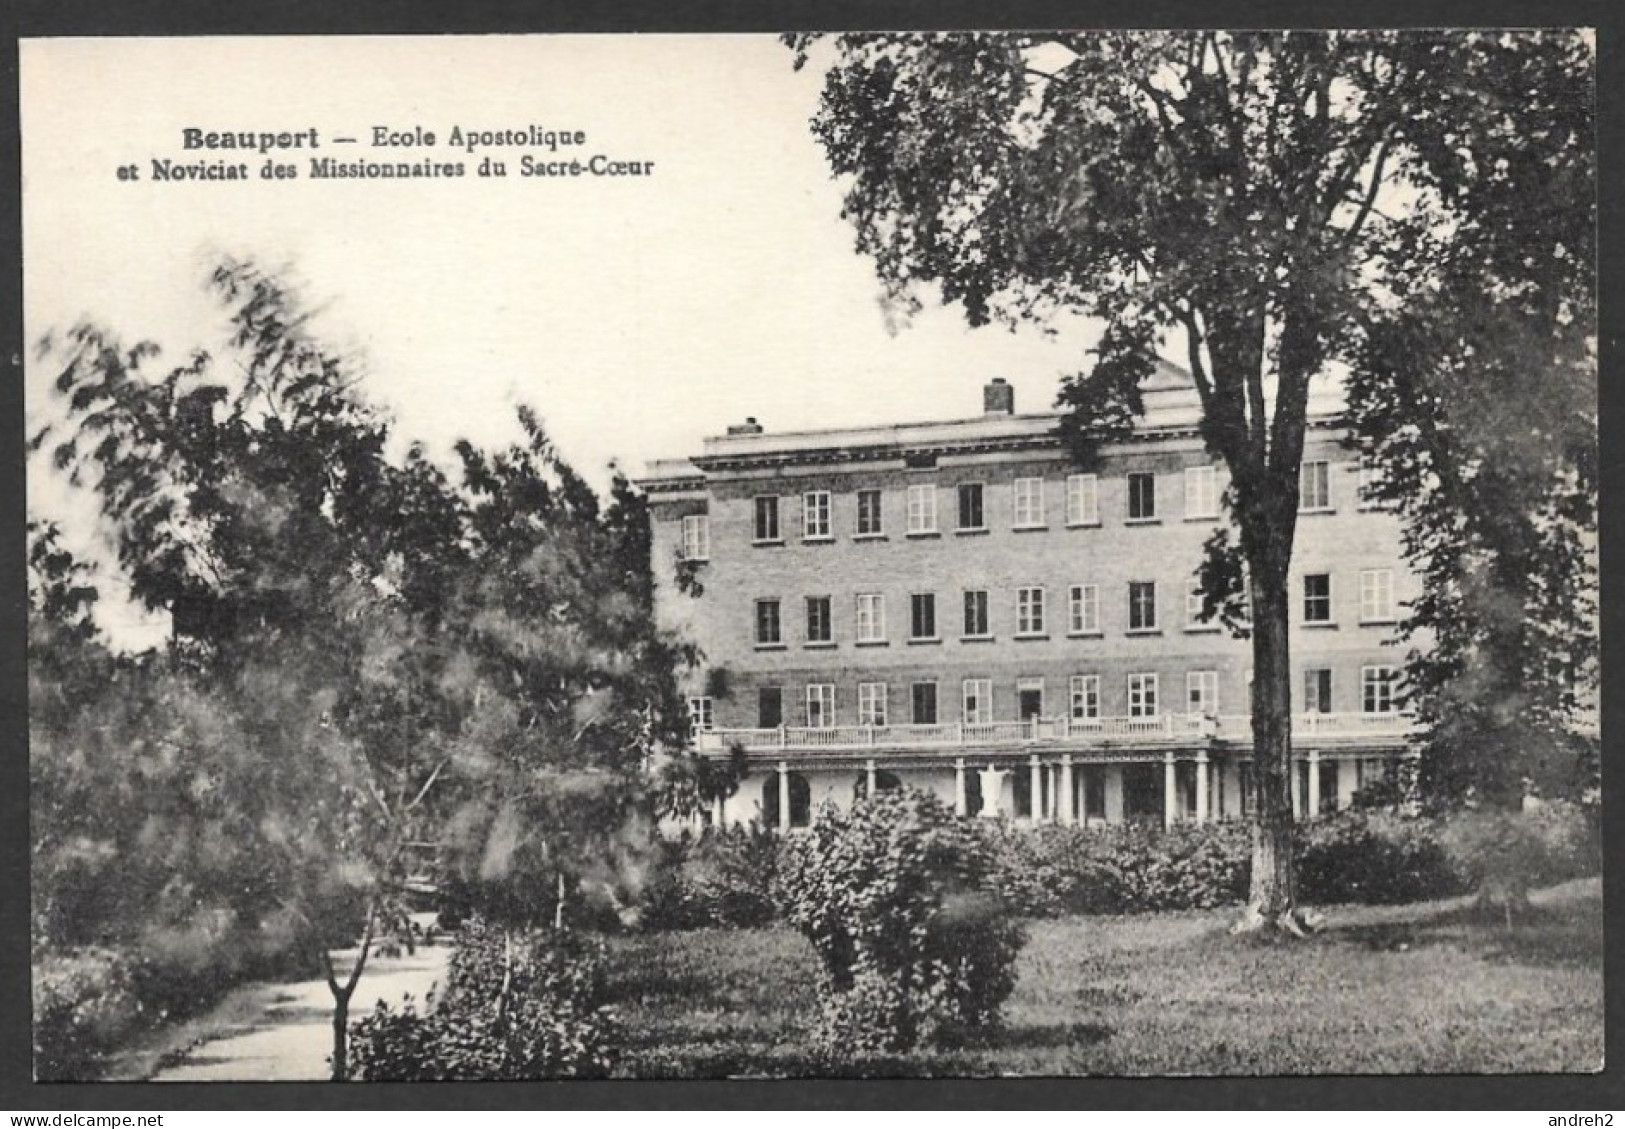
point(955, 606)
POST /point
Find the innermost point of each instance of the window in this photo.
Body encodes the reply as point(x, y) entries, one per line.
point(1317, 690)
point(1029, 698)
point(869, 513)
point(1082, 500)
point(1029, 611)
point(1142, 497)
point(923, 703)
point(1201, 492)
point(815, 515)
point(976, 614)
point(1314, 486)
point(1029, 503)
point(1142, 605)
point(818, 620)
point(922, 616)
point(1083, 609)
point(1085, 697)
point(1317, 598)
point(769, 707)
point(767, 519)
point(872, 703)
point(1377, 689)
point(977, 703)
point(1377, 595)
point(767, 623)
point(820, 705)
point(971, 515)
point(1142, 695)
point(1202, 692)
point(871, 618)
point(696, 537)
point(700, 718)
point(922, 509)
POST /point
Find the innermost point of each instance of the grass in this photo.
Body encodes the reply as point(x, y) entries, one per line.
point(1427, 988)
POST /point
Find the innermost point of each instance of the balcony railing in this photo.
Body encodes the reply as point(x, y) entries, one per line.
point(1166, 728)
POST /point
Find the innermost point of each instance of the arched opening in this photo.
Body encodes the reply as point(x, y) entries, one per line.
point(800, 800)
point(884, 782)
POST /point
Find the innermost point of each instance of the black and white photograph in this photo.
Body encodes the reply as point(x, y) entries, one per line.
point(822, 555)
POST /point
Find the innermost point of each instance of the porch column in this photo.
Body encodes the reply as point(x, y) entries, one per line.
point(1170, 791)
point(716, 812)
point(1201, 786)
point(1069, 799)
point(1314, 783)
point(869, 775)
point(1297, 793)
point(1037, 805)
point(961, 807)
point(784, 796)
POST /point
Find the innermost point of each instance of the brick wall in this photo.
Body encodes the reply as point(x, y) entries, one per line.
point(1001, 560)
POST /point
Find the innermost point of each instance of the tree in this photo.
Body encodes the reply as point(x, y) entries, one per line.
point(1258, 199)
point(404, 662)
point(1475, 397)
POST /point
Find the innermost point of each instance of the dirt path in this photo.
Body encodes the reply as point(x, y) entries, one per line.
point(289, 1032)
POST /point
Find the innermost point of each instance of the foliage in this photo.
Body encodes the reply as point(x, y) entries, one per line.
point(516, 1006)
point(895, 896)
point(1364, 856)
point(1373, 857)
point(83, 1006)
point(378, 666)
point(1125, 868)
point(1267, 203)
point(1474, 392)
point(721, 879)
point(1504, 854)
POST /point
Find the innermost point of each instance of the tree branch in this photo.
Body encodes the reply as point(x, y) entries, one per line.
point(1372, 189)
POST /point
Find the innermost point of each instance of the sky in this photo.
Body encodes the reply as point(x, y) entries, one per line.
point(636, 314)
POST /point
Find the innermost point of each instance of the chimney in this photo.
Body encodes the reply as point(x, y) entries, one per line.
point(998, 398)
point(749, 427)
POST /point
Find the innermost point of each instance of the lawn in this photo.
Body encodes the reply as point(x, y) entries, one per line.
point(1427, 988)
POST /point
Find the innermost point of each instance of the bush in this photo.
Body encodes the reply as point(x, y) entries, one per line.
point(721, 880)
point(516, 1006)
point(1124, 868)
point(1373, 857)
point(896, 896)
point(1504, 854)
point(83, 1006)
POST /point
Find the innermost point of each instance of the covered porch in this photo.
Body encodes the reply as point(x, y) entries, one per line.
point(1196, 785)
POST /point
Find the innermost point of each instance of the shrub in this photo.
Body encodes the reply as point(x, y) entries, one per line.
point(721, 880)
point(1503, 854)
point(1125, 868)
point(897, 897)
point(83, 1006)
point(515, 1006)
point(1373, 857)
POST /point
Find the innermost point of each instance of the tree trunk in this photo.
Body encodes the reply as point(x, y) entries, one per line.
point(341, 1036)
point(342, 993)
point(1272, 895)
